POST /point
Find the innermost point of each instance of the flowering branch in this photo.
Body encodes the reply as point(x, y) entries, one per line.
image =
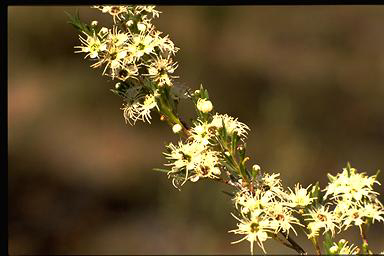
point(213, 145)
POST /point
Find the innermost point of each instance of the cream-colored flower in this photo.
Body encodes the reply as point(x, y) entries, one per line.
point(165, 44)
point(231, 124)
point(117, 11)
point(247, 202)
point(300, 197)
point(255, 230)
point(321, 218)
point(208, 166)
point(373, 211)
point(140, 44)
point(358, 214)
point(127, 71)
point(117, 38)
point(147, 9)
point(141, 110)
point(202, 132)
point(92, 46)
point(161, 69)
point(191, 161)
point(114, 59)
point(281, 217)
point(272, 183)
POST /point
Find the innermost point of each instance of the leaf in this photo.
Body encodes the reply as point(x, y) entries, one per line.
point(161, 170)
point(315, 193)
point(327, 242)
point(224, 131)
point(235, 140)
point(228, 193)
point(117, 92)
point(78, 24)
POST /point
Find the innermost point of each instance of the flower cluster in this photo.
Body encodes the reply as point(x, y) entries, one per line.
point(199, 156)
point(268, 210)
point(131, 51)
point(355, 200)
point(354, 204)
point(191, 161)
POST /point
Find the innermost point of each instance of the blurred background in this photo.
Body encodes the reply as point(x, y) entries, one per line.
point(308, 80)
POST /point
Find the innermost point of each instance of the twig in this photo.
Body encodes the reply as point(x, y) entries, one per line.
point(295, 245)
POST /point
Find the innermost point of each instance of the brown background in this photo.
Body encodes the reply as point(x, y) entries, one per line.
point(308, 80)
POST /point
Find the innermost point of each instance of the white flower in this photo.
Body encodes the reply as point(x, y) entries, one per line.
point(161, 69)
point(254, 229)
point(191, 161)
point(202, 133)
point(272, 183)
point(140, 110)
point(147, 8)
point(91, 45)
point(300, 197)
point(117, 11)
point(114, 60)
point(117, 38)
point(321, 218)
point(231, 124)
point(141, 44)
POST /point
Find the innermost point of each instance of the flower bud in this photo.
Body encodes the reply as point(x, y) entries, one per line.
point(216, 171)
point(141, 26)
point(194, 178)
point(129, 23)
point(103, 31)
point(204, 105)
point(94, 23)
point(256, 167)
point(177, 128)
point(334, 249)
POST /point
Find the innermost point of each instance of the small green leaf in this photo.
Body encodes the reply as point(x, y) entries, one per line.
point(228, 193)
point(315, 193)
point(327, 242)
point(235, 140)
point(78, 24)
point(161, 170)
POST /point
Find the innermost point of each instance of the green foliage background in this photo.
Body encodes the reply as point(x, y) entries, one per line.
point(308, 80)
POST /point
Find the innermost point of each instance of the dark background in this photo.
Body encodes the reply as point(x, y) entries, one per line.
point(308, 80)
